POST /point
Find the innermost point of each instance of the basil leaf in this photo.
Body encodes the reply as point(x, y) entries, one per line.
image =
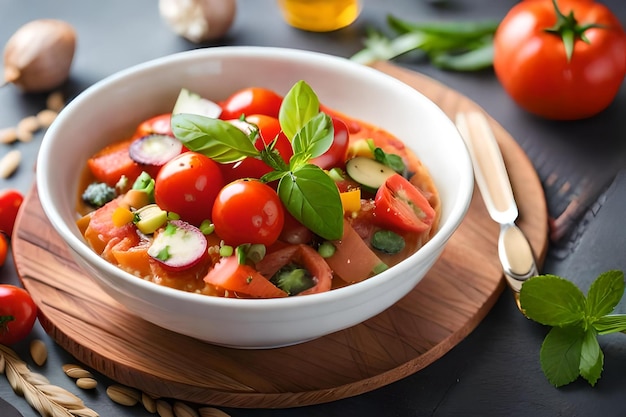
point(312, 197)
point(217, 139)
point(591, 357)
point(605, 293)
point(560, 354)
point(299, 106)
point(391, 160)
point(610, 324)
point(552, 300)
point(315, 137)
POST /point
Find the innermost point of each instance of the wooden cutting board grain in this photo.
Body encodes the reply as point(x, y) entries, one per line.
point(441, 311)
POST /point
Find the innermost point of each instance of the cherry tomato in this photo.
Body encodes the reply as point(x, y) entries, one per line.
point(248, 211)
point(10, 202)
point(402, 207)
point(18, 313)
point(335, 156)
point(251, 100)
point(187, 185)
point(269, 129)
point(161, 125)
point(533, 66)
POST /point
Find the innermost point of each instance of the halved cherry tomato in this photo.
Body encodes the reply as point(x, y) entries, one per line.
point(18, 313)
point(10, 202)
point(533, 65)
point(401, 206)
point(187, 185)
point(160, 125)
point(335, 156)
point(251, 100)
point(269, 129)
point(248, 211)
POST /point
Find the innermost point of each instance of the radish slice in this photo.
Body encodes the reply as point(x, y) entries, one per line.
point(155, 149)
point(179, 245)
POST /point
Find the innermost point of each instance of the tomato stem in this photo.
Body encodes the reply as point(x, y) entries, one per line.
point(569, 30)
point(4, 322)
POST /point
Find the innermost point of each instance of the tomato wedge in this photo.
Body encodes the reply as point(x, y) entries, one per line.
point(229, 275)
point(402, 207)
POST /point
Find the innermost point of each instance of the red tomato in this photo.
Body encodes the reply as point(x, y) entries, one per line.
point(10, 202)
point(187, 185)
point(335, 156)
point(401, 206)
point(269, 129)
point(251, 100)
point(532, 64)
point(18, 313)
point(161, 125)
point(248, 211)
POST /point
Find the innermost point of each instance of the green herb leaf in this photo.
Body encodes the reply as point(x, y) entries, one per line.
point(314, 138)
point(391, 160)
point(591, 357)
point(312, 197)
point(610, 324)
point(560, 354)
point(552, 300)
point(604, 294)
point(299, 106)
point(217, 139)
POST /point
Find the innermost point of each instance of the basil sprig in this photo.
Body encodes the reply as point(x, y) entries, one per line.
point(307, 192)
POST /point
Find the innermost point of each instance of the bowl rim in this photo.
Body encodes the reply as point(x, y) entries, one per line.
point(82, 249)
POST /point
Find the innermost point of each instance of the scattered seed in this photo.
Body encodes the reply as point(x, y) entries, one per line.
point(123, 395)
point(24, 135)
point(46, 117)
point(55, 101)
point(29, 123)
point(183, 410)
point(38, 351)
point(78, 372)
point(164, 409)
point(211, 412)
point(86, 383)
point(10, 162)
point(149, 403)
point(8, 135)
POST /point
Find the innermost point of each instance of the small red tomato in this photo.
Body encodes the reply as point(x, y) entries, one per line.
point(251, 100)
point(248, 211)
point(187, 185)
point(401, 206)
point(335, 156)
point(4, 248)
point(157, 125)
point(10, 202)
point(18, 313)
point(269, 129)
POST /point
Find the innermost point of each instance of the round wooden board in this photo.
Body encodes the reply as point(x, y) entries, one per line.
point(442, 310)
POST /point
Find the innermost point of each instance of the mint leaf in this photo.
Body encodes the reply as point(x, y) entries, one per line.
point(312, 197)
point(604, 294)
point(591, 357)
point(299, 106)
point(552, 300)
point(560, 354)
point(217, 139)
point(314, 138)
point(610, 324)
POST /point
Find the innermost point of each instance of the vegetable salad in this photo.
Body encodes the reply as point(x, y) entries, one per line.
point(256, 196)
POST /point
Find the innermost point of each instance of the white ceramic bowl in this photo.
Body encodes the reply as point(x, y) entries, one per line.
point(115, 105)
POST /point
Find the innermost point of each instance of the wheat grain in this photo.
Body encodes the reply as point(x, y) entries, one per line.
point(164, 409)
point(123, 395)
point(183, 410)
point(149, 403)
point(38, 351)
point(86, 383)
point(211, 412)
point(9, 163)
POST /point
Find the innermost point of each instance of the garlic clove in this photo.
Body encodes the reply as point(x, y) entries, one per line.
point(198, 20)
point(38, 56)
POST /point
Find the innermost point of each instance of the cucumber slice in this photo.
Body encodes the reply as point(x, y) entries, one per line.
point(192, 103)
point(369, 173)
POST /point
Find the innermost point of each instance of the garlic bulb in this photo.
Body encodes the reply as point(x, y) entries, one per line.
point(198, 20)
point(38, 56)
